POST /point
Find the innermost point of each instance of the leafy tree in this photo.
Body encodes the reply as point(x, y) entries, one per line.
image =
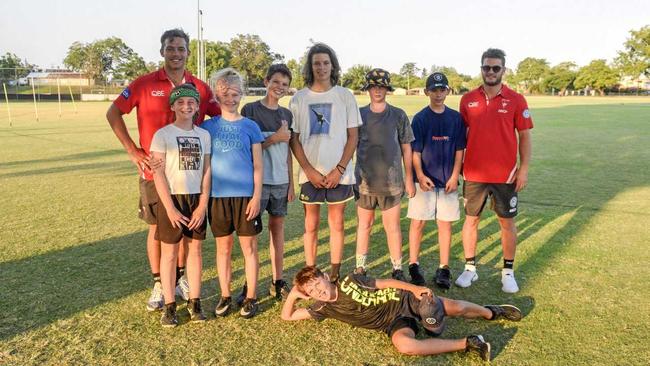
point(252, 57)
point(217, 56)
point(297, 81)
point(355, 77)
point(635, 59)
point(12, 67)
point(530, 74)
point(597, 75)
point(474, 82)
point(409, 71)
point(104, 58)
point(560, 77)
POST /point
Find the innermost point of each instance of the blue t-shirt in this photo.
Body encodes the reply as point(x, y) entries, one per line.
point(437, 137)
point(232, 156)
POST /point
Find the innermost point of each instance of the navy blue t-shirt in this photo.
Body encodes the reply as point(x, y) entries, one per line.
point(437, 137)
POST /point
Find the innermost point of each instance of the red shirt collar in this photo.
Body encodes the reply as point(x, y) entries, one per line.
point(162, 75)
point(505, 92)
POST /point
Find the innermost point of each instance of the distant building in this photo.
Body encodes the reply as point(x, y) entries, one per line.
point(399, 91)
point(639, 83)
point(415, 91)
point(64, 77)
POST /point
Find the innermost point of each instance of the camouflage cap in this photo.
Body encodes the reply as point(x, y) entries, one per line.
point(378, 77)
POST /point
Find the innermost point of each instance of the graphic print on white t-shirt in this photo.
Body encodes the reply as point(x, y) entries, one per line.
point(320, 115)
point(189, 153)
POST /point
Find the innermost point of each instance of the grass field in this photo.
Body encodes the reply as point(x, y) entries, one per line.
point(74, 275)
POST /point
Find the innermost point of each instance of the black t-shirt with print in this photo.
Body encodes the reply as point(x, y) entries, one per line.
point(361, 304)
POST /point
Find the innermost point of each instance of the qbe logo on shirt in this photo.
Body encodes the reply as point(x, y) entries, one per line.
point(157, 93)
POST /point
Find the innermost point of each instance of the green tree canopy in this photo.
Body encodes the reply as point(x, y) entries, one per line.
point(409, 72)
point(530, 74)
point(103, 58)
point(355, 77)
point(297, 81)
point(252, 57)
point(12, 67)
point(635, 59)
point(597, 75)
point(217, 56)
point(560, 77)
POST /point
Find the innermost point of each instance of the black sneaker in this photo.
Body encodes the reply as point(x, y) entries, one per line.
point(398, 274)
point(476, 343)
point(360, 271)
point(194, 308)
point(168, 318)
point(416, 275)
point(249, 308)
point(223, 306)
point(443, 277)
point(508, 312)
point(279, 289)
point(242, 296)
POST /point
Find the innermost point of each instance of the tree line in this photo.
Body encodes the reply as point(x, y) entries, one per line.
point(111, 58)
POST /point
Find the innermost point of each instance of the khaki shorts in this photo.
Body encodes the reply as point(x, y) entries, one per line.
point(434, 205)
point(148, 201)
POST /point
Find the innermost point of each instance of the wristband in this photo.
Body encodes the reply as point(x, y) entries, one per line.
point(340, 166)
point(339, 169)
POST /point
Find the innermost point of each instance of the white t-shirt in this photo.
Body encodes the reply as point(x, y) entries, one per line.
point(322, 120)
point(184, 156)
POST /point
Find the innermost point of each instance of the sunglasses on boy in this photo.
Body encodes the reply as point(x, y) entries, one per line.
point(495, 69)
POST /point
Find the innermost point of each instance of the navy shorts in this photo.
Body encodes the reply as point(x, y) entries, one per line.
point(274, 199)
point(311, 195)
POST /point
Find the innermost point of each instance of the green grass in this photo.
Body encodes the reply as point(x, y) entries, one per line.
point(74, 275)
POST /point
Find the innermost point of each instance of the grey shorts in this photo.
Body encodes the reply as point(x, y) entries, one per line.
point(368, 202)
point(274, 199)
point(148, 201)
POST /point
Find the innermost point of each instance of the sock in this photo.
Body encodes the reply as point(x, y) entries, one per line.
point(508, 263)
point(336, 267)
point(156, 277)
point(361, 260)
point(397, 263)
point(417, 263)
point(471, 261)
point(443, 266)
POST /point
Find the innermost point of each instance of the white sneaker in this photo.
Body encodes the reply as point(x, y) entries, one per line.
point(183, 288)
point(508, 281)
point(155, 301)
point(468, 276)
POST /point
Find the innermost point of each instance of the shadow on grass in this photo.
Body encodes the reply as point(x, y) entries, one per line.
point(67, 158)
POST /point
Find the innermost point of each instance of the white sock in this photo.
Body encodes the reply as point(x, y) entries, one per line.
point(361, 260)
point(397, 263)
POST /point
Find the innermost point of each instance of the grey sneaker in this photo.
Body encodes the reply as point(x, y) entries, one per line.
point(505, 311)
point(476, 343)
point(194, 308)
point(466, 278)
point(183, 288)
point(155, 301)
point(168, 318)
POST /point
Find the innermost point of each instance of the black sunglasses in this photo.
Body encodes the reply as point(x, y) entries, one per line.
point(486, 68)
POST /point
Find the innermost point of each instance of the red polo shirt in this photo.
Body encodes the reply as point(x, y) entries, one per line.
point(492, 125)
point(150, 94)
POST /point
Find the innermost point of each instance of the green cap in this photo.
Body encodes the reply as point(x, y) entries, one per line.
point(185, 90)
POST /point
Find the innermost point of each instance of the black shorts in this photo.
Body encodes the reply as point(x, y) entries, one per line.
point(186, 204)
point(502, 196)
point(311, 195)
point(228, 215)
point(148, 201)
point(402, 322)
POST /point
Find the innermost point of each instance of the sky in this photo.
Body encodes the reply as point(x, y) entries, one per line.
point(379, 33)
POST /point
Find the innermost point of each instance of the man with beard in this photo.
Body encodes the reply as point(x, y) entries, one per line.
point(498, 126)
point(150, 95)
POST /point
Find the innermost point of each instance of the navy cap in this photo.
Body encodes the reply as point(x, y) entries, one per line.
point(437, 80)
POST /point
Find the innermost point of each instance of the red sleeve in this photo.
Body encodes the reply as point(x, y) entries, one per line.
point(463, 110)
point(523, 119)
point(129, 98)
point(213, 106)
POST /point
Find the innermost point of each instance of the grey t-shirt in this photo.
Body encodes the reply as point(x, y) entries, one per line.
point(379, 157)
point(276, 170)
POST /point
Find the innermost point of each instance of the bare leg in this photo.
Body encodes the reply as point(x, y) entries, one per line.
point(390, 219)
point(251, 264)
point(508, 237)
point(224, 270)
point(415, 238)
point(405, 342)
point(276, 245)
point(444, 241)
point(335, 218)
point(194, 266)
point(182, 253)
point(465, 309)
point(153, 250)
point(310, 240)
point(169, 254)
point(365, 219)
point(470, 235)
